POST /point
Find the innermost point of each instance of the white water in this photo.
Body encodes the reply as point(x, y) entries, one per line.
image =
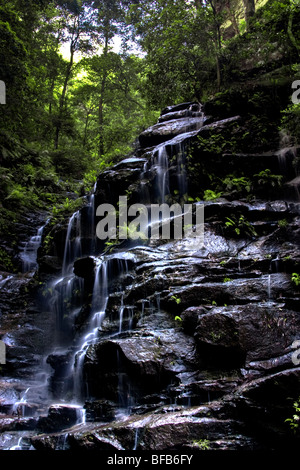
point(162, 172)
point(29, 254)
point(73, 242)
point(63, 287)
point(19, 406)
point(98, 308)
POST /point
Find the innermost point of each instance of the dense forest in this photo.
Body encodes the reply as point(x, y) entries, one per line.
point(83, 84)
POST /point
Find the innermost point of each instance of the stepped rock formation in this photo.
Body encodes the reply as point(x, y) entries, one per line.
point(165, 343)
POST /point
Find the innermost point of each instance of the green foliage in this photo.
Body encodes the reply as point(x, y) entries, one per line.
point(176, 299)
point(6, 263)
point(216, 144)
point(266, 178)
point(67, 207)
point(241, 184)
point(210, 195)
point(239, 227)
point(179, 42)
point(296, 279)
point(227, 279)
point(178, 319)
point(202, 444)
point(283, 223)
point(290, 122)
point(294, 421)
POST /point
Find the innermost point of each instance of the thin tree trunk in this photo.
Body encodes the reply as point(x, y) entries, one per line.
point(290, 30)
point(101, 120)
point(249, 6)
point(73, 44)
point(218, 44)
point(101, 147)
point(62, 100)
point(86, 128)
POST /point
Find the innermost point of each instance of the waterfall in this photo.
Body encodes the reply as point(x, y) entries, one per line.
point(65, 293)
point(98, 307)
point(19, 406)
point(72, 243)
point(121, 312)
point(126, 399)
point(18, 446)
point(162, 166)
point(65, 296)
point(91, 217)
point(269, 287)
point(136, 437)
point(29, 254)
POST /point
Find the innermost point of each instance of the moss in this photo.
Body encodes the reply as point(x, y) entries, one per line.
point(6, 262)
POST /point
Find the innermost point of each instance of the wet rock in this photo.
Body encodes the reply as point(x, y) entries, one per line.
point(131, 162)
point(265, 403)
point(59, 417)
point(100, 410)
point(217, 340)
point(93, 441)
point(238, 291)
point(190, 318)
point(49, 442)
point(59, 362)
point(165, 131)
point(49, 264)
point(84, 267)
point(191, 105)
point(160, 431)
point(147, 362)
point(115, 182)
point(240, 335)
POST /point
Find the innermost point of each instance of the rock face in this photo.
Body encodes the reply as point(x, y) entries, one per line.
point(176, 344)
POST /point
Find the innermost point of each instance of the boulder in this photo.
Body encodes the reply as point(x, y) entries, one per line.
point(165, 131)
point(60, 416)
point(239, 335)
point(84, 267)
point(100, 410)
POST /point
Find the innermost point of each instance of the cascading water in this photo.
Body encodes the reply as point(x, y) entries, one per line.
point(66, 291)
point(73, 243)
point(29, 254)
point(98, 307)
point(162, 173)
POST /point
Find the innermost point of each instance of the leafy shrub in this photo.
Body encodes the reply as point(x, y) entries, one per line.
point(5, 261)
point(241, 184)
point(239, 227)
point(294, 421)
point(266, 178)
point(296, 279)
point(210, 195)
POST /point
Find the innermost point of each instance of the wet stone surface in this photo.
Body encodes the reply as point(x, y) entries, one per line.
point(159, 345)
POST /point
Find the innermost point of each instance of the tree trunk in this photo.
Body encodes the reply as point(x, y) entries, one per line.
point(290, 29)
point(249, 6)
point(73, 44)
point(62, 99)
point(101, 100)
point(101, 120)
point(216, 9)
point(86, 129)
